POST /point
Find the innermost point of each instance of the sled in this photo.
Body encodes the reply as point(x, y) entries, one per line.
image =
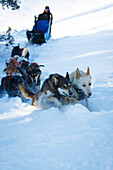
point(40, 33)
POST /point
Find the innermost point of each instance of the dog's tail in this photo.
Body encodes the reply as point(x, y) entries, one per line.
point(41, 65)
point(27, 93)
point(24, 52)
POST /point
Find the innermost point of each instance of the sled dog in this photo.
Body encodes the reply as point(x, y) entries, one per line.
point(31, 79)
point(56, 89)
point(9, 85)
point(12, 67)
point(81, 86)
point(22, 52)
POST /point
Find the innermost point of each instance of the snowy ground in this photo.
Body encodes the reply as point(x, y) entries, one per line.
point(71, 138)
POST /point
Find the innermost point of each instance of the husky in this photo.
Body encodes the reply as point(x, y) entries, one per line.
point(31, 79)
point(81, 86)
point(12, 67)
point(56, 90)
point(9, 85)
point(20, 51)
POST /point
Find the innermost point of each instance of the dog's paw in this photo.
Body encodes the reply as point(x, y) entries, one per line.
point(32, 104)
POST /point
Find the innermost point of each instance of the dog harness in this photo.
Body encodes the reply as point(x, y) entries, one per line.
point(80, 93)
point(14, 63)
point(35, 64)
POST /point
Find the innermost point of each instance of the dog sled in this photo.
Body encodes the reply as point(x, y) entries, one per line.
point(41, 31)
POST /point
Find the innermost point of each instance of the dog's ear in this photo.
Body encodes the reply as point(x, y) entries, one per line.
point(78, 73)
point(88, 71)
point(67, 76)
point(53, 79)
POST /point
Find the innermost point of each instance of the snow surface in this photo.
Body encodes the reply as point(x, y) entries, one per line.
point(71, 138)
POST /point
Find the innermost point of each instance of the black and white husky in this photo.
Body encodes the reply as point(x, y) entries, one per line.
point(56, 89)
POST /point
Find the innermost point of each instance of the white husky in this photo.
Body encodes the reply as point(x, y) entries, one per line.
point(81, 86)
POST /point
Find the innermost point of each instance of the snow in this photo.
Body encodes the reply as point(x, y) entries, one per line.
point(71, 138)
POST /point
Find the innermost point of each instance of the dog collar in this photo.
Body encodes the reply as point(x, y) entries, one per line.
point(80, 93)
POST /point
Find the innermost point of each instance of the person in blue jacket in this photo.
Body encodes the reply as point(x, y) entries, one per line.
point(46, 15)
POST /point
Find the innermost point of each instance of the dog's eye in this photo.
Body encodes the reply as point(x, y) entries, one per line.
point(69, 85)
point(84, 85)
point(64, 86)
point(89, 84)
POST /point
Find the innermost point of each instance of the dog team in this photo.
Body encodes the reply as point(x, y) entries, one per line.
point(23, 79)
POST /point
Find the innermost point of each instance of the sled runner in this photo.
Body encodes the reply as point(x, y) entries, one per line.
point(40, 33)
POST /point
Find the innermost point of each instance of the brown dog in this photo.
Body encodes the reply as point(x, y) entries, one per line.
point(12, 67)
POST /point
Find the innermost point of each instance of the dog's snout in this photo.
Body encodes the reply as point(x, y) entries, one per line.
point(34, 81)
point(89, 94)
point(70, 93)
